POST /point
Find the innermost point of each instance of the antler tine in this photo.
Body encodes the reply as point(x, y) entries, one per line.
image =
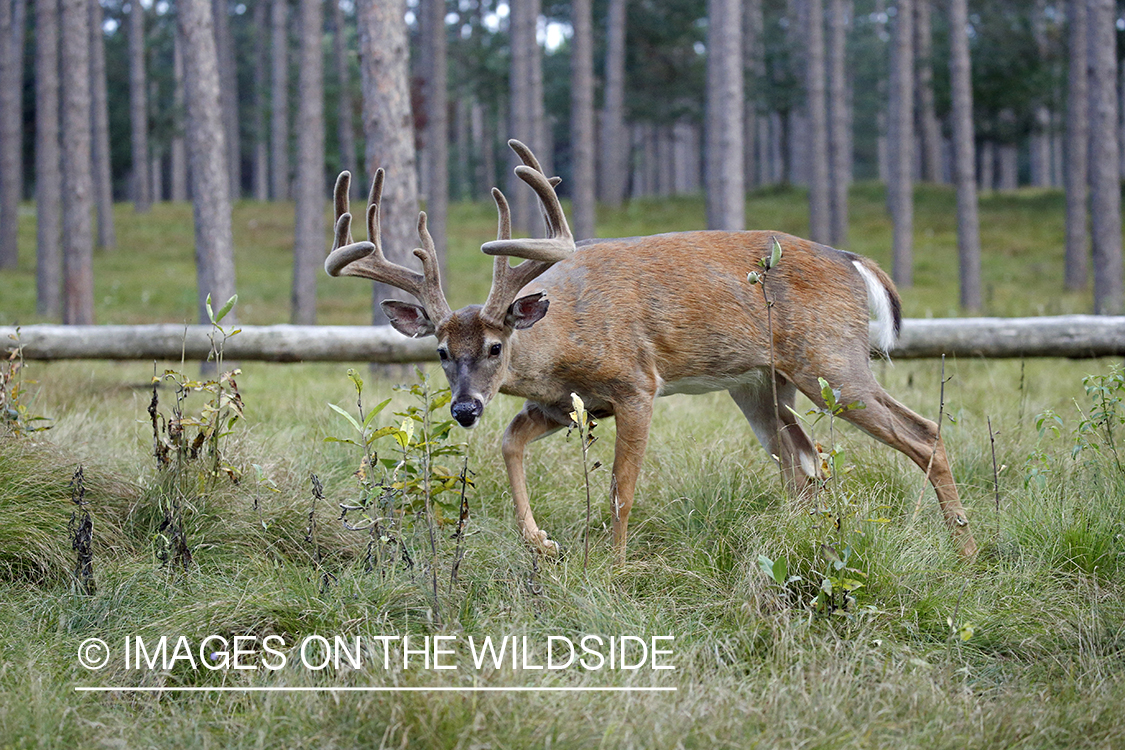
point(366, 259)
point(506, 280)
point(340, 197)
point(560, 242)
point(434, 298)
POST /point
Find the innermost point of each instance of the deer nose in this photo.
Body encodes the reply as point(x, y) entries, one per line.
point(467, 411)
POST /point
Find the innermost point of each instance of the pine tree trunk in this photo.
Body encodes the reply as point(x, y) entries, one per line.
point(279, 103)
point(77, 184)
point(754, 65)
point(437, 125)
point(582, 118)
point(1076, 147)
point(179, 147)
point(345, 127)
point(100, 151)
point(309, 237)
point(820, 226)
point(10, 116)
point(522, 23)
point(228, 93)
point(964, 166)
point(206, 143)
point(138, 108)
point(840, 124)
point(261, 136)
point(928, 128)
point(613, 162)
point(48, 194)
point(726, 200)
point(1105, 176)
point(388, 129)
point(901, 141)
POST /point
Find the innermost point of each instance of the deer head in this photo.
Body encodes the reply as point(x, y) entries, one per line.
point(473, 342)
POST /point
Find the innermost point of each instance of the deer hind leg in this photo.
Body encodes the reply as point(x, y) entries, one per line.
point(888, 421)
point(796, 451)
point(529, 424)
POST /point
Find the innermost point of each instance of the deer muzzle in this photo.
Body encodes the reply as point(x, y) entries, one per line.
point(467, 411)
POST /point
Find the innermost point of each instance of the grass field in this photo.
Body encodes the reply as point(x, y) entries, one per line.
point(1023, 647)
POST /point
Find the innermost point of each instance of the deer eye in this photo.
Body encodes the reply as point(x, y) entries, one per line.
point(443, 355)
point(494, 351)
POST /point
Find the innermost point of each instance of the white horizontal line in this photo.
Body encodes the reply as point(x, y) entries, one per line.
point(376, 689)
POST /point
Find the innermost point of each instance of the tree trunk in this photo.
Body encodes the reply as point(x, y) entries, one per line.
point(437, 125)
point(228, 93)
point(726, 200)
point(77, 184)
point(138, 107)
point(1008, 159)
point(820, 225)
point(582, 118)
point(964, 160)
point(754, 66)
point(345, 127)
point(48, 194)
point(901, 141)
point(1076, 147)
point(309, 237)
point(261, 136)
point(928, 128)
point(179, 147)
point(206, 142)
point(10, 126)
point(279, 103)
point(522, 23)
point(840, 123)
point(613, 163)
point(100, 150)
point(388, 129)
point(1105, 175)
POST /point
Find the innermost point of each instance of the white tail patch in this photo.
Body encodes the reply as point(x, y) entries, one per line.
point(882, 333)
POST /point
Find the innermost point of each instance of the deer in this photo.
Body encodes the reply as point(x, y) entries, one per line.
point(620, 322)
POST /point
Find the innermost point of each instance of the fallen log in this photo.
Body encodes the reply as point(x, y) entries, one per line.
point(1071, 336)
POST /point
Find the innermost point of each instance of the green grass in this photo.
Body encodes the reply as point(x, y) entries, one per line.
point(755, 665)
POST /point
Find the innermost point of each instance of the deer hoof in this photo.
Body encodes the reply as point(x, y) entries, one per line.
point(546, 547)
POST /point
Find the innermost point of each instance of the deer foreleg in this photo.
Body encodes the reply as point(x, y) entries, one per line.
point(633, 422)
point(528, 425)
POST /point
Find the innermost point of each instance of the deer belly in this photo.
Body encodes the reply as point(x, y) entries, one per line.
point(758, 377)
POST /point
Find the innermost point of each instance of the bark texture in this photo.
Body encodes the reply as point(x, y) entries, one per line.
point(207, 151)
point(48, 194)
point(582, 118)
point(138, 108)
point(964, 160)
point(819, 217)
point(388, 127)
point(77, 185)
point(614, 143)
point(308, 250)
point(839, 121)
point(9, 140)
point(279, 102)
point(1076, 147)
point(726, 201)
point(1105, 177)
point(900, 197)
point(103, 179)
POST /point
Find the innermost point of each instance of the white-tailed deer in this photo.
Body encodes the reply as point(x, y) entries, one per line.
point(633, 319)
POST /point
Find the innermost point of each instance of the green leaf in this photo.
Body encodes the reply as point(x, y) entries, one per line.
point(348, 417)
point(225, 309)
point(373, 412)
point(341, 440)
point(766, 565)
point(775, 254)
point(780, 570)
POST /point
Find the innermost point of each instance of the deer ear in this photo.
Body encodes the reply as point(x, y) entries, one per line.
point(527, 311)
point(409, 320)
